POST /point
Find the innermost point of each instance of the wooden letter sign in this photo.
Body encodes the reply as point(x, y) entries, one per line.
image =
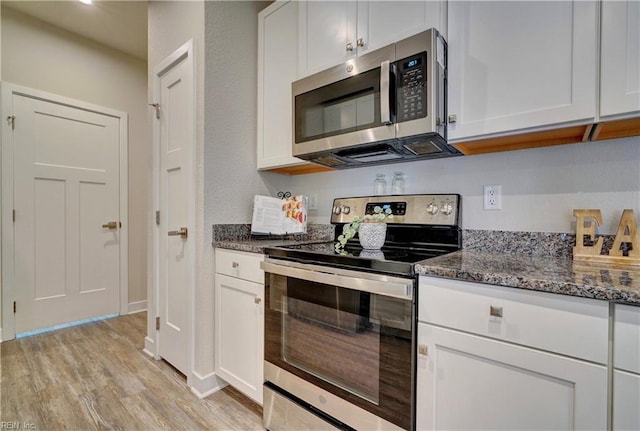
point(585, 226)
point(627, 233)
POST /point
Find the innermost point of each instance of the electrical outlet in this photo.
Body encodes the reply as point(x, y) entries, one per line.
point(493, 197)
point(313, 201)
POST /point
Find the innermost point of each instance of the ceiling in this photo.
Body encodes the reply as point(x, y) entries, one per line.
point(121, 25)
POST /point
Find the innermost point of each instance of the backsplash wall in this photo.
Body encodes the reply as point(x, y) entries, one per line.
point(540, 187)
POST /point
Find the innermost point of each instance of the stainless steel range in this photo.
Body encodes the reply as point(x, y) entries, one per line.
point(340, 328)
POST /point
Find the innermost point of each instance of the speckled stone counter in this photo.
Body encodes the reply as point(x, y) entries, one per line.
point(534, 272)
point(238, 237)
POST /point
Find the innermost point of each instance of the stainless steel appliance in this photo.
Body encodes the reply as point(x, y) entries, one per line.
point(340, 328)
point(389, 105)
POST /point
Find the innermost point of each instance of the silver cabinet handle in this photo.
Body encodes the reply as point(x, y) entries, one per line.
point(234, 264)
point(423, 350)
point(183, 233)
point(349, 47)
point(360, 42)
point(111, 225)
point(495, 311)
point(452, 118)
point(257, 300)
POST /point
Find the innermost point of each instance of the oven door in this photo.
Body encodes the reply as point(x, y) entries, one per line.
point(342, 341)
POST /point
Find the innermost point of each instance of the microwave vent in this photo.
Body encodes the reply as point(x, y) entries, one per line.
point(329, 160)
point(422, 147)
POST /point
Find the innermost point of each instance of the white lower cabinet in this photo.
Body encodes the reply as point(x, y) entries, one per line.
point(484, 361)
point(471, 382)
point(626, 371)
point(239, 321)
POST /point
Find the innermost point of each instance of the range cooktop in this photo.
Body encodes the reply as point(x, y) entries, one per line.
point(424, 226)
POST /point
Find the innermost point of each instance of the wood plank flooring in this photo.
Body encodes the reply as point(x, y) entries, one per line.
point(96, 377)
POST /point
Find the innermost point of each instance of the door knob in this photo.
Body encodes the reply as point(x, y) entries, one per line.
point(181, 233)
point(111, 225)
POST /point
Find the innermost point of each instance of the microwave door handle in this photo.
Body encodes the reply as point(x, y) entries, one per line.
point(385, 94)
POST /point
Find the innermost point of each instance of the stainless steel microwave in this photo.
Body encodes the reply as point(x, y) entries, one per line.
point(387, 106)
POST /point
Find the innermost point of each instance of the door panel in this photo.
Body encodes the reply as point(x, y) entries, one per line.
point(66, 182)
point(176, 172)
point(502, 386)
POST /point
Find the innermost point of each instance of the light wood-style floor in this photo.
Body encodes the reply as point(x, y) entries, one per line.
point(96, 377)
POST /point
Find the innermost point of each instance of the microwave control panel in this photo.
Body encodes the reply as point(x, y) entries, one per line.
point(412, 88)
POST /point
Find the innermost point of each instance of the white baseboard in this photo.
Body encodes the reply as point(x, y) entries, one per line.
point(137, 307)
point(149, 347)
point(202, 387)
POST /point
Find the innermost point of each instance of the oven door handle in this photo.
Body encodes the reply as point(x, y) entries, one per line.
point(376, 284)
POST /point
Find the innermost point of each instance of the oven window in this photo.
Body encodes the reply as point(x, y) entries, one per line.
point(334, 345)
point(338, 334)
point(345, 106)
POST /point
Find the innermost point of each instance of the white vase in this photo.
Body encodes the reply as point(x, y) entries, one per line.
point(372, 235)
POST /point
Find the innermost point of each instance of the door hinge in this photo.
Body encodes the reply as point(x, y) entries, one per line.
point(11, 120)
point(14, 215)
point(14, 307)
point(158, 218)
point(157, 323)
point(156, 106)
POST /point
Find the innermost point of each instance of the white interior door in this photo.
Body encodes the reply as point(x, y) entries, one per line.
point(66, 192)
point(176, 194)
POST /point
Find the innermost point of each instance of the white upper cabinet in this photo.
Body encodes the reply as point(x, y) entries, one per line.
point(277, 69)
point(331, 32)
point(325, 28)
point(620, 58)
point(383, 22)
point(520, 66)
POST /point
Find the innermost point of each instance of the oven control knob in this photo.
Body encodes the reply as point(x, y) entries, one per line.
point(447, 208)
point(432, 209)
point(346, 209)
point(337, 210)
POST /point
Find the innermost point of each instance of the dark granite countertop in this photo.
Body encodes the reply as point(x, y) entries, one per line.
point(239, 237)
point(257, 245)
point(543, 273)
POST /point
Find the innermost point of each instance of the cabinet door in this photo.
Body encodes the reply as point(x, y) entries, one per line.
point(326, 28)
point(620, 57)
point(240, 334)
point(277, 69)
point(626, 399)
point(383, 22)
point(520, 65)
point(471, 382)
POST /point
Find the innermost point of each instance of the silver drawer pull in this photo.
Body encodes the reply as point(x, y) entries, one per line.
point(257, 300)
point(423, 350)
point(495, 311)
point(235, 264)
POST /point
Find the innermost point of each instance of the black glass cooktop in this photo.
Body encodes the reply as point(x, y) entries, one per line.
point(399, 260)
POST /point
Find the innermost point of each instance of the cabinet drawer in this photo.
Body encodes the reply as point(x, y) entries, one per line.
point(568, 325)
point(626, 336)
point(240, 264)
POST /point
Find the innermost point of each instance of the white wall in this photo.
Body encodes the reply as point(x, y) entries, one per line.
point(540, 187)
point(44, 57)
point(231, 177)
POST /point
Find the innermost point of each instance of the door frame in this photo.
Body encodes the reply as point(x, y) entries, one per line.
point(7, 192)
point(153, 339)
